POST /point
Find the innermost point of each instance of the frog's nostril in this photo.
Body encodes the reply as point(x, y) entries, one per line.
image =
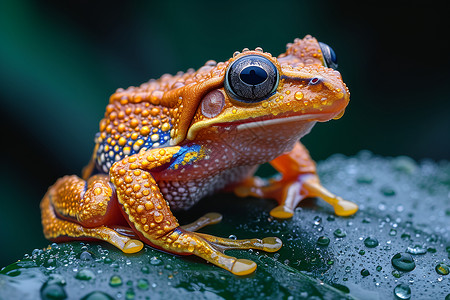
point(314, 81)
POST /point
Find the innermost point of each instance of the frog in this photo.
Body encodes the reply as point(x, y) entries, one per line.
point(164, 145)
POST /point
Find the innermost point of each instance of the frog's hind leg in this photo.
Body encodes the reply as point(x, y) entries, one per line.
point(73, 209)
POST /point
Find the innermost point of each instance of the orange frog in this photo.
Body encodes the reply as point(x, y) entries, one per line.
point(168, 143)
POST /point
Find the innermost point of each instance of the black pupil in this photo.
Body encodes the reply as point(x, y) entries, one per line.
point(253, 75)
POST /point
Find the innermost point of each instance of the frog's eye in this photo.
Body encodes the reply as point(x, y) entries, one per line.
point(251, 78)
point(329, 56)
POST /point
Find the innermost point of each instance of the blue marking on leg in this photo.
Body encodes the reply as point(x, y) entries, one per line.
point(186, 156)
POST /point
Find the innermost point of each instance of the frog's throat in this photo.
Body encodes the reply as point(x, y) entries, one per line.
point(255, 123)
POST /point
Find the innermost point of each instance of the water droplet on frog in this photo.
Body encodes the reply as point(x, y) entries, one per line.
point(403, 262)
point(416, 250)
point(371, 242)
point(402, 291)
point(348, 269)
point(331, 218)
point(442, 269)
point(393, 232)
point(339, 233)
point(97, 296)
point(379, 268)
point(323, 241)
point(365, 272)
point(232, 237)
point(361, 252)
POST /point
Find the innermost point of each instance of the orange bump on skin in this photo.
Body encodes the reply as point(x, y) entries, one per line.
point(298, 95)
point(122, 141)
point(155, 111)
point(148, 205)
point(140, 209)
point(145, 131)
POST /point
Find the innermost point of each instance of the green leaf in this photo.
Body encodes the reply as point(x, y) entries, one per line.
point(404, 208)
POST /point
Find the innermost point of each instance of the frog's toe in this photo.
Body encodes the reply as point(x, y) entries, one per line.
point(271, 244)
point(243, 267)
point(268, 244)
point(345, 208)
point(132, 246)
point(208, 219)
point(282, 212)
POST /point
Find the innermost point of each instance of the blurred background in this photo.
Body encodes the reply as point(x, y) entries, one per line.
point(61, 60)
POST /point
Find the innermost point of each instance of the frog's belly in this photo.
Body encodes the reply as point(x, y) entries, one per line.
point(184, 194)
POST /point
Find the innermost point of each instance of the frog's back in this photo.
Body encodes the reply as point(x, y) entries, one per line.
point(148, 116)
point(134, 119)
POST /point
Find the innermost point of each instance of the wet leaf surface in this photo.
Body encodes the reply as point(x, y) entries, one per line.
point(404, 208)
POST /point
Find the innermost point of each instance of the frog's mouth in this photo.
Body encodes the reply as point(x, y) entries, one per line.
point(264, 121)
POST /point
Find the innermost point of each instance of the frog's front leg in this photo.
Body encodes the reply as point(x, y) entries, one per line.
point(299, 181)
point(148, 213)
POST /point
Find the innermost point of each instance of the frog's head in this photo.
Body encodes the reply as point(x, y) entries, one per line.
point(256, 89)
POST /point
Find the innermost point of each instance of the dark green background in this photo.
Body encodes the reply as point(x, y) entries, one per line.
point(60, 61)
